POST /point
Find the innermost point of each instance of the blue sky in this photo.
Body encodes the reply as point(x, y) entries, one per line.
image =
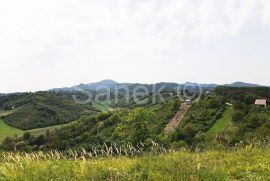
point(57, 43)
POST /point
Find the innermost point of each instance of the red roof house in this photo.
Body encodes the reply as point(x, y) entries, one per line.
point(261, 102)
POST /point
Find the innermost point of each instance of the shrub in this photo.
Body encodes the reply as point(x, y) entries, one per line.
point(238, 115)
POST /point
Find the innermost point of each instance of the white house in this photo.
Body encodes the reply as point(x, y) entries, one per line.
point(188, 102)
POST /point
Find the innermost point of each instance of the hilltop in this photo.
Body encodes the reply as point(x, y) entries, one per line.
point(167, 86)
point(242, 84)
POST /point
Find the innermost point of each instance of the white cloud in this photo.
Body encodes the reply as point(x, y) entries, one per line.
point(56, 43)
point(265, 12)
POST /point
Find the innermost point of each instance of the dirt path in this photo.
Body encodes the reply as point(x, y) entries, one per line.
point(174, 123)
point(5, 113)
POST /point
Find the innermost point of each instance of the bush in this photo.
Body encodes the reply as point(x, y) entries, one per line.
point(179, 145)
point(250, 99)
point(238, 115)
point(26, 136)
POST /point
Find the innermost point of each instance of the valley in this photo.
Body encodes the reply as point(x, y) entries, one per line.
point(224, 121)
point(225, 111)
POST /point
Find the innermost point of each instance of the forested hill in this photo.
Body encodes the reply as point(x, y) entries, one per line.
point(113, 85)
point(41, 109)
point(163, 86)
point(226, 115)
point(123, 126)
point(233, 113)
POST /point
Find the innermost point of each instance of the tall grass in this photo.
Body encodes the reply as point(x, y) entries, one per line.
point(250, 162)
point(96, 151)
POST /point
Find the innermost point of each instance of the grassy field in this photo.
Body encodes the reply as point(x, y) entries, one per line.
point(220, 124)
point(39, 131)
point(100, 107)
point(6, 130)
point(242, 164)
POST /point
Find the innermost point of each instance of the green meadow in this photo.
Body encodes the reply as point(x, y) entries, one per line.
point(101, 107)
point(221, 123)
point(6, 130)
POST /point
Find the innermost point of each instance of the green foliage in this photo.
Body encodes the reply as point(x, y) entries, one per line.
point(137, 122)
point(136, 125)
point(249, 121)
point(250, 99)
point(41, 109)
point(212, 103)
point(231, 94)
point(199, 119)
point(100, 107)
point(117, 126)
point(26, 136)
point(9, 143)
point(255, 124)
point(238, 115)
point(220, 124)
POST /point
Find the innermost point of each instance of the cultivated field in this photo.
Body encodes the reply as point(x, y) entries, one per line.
point(220, 124)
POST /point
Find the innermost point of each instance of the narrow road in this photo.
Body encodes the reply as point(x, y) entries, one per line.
point(176, 120)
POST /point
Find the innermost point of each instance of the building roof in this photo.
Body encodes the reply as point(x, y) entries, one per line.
point(260, 102)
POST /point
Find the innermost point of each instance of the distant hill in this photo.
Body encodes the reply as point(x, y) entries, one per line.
point(166, 86)
point(96, 85)
point(89, 87)
point(113, 85)
point(242, 84)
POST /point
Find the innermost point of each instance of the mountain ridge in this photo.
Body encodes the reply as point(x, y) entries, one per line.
point(111, 84)
point(242, 84)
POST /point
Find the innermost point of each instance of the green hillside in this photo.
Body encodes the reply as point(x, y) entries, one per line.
point(144, 121)
point(133, 125)
point(244, 121)
point(221, 124)
point(9, 131)
point(90, 144)
point(100, 107)
point(6, 130)
point(41, 109)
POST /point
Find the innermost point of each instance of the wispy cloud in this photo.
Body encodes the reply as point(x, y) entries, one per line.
point(66, 40)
